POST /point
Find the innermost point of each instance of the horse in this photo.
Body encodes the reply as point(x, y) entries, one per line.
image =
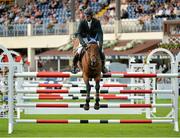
point(91, 66)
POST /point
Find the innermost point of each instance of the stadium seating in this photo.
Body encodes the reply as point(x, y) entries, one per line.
point(61, 14)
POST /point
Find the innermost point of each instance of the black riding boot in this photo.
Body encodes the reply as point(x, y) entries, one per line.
point(103, 60)
point(75, 60)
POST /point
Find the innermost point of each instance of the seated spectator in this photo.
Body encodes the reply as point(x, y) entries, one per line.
point(16, 19)
point(153, 3)
point(2, 7)
point(1, 19)
point(146, 9)
point(168, 11)
point(27, 13)
point(152, 9)
point(43, 2)
point(53, 4)
point(51, 22)
point(16, 9)
point(160, 12)
point(124, 14)
point(21, 19)
point(38, 21)
point(38, 13)
point(177, 9)
point(112, 13)
point(32, 20)
point(144, 19)
point(139, 9)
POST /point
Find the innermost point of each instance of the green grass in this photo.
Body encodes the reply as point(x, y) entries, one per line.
point(91, 130)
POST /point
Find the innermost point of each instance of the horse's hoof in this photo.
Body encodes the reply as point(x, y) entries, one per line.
point(86, 107)
point(96, 106)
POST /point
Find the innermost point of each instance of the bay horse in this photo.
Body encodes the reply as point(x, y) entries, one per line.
point(91, 66)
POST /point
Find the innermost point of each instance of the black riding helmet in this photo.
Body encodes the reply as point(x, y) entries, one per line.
point(88, 12)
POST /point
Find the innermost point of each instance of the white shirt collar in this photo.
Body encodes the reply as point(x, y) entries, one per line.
point(89, 23)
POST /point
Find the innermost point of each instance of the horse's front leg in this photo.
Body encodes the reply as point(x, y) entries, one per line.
point(88, 89)
point(97, 87)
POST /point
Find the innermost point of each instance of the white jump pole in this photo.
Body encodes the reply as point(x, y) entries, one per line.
point(19, 68)
point(107, 75)
point(72, 91)
point(107, 85)
point(10, 90)
point(147, 96)
point(176, 94)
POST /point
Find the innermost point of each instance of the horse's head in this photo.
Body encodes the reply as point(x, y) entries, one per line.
point(93, 51)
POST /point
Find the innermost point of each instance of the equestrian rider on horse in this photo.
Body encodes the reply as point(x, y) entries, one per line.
point(89, 28)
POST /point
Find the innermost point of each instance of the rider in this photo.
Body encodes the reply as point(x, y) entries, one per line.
point(89, 27)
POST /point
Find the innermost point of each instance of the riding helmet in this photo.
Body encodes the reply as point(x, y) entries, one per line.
point(88, 11)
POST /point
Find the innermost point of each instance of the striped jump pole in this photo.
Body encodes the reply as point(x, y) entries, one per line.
point(107, 75)
point(79, 105)
point(70, 97)
point(43, 121)
point(93, 91)
point(50, 85)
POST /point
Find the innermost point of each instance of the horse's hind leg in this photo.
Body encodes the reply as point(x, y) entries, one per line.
point(97, 87)
point(88, 89)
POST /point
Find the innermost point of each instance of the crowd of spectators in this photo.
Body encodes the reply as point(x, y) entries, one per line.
point(148, 9)
point(145, 10)
point(58, 11)
point(34, 12)
point(45, 11)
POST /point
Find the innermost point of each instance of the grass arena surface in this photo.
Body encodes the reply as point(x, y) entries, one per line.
point(91, 130)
